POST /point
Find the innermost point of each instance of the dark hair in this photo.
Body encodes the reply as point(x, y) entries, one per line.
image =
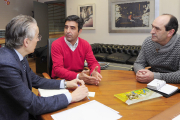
point(172, 24)
point(19, 28)
point(77, 19)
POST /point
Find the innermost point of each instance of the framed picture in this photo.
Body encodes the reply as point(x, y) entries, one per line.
point(87, 12)
point(132, 16)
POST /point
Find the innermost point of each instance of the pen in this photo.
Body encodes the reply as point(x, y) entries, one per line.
point(87, 96)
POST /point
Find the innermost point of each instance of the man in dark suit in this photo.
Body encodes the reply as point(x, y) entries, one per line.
point(17, 101)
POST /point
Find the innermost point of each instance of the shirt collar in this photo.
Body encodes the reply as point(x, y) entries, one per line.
point(170, 45)
point(19, 55)
point(69, 44)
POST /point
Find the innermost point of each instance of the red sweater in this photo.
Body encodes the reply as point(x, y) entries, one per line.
point(66, 63)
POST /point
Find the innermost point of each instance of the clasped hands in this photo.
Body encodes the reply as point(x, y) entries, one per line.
point(82, 91)
point(94, 78)
point(144, 76)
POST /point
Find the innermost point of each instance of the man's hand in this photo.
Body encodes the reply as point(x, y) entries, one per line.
point(80, 93)
point(74, 83)
point(144, 76)
point(88, 79)
point(96, 74)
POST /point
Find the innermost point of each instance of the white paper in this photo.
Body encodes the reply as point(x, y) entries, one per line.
point(156, 84)
point(168, 89)
point(91, 94)
point(176, 118)
point(51, 92)
point(92, 110)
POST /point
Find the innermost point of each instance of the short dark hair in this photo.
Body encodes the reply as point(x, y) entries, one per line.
point(19, 28)
point(172, 24)
point(77, 19)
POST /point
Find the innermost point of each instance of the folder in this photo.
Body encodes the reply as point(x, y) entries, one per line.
point(168, 114)
point(166, 95)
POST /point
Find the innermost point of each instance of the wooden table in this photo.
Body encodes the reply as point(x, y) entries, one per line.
point(119, 81)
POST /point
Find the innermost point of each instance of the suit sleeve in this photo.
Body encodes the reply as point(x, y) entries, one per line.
point(91, 60)
point(58, 64)
point(12, 84)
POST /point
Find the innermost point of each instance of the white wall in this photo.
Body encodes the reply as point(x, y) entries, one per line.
point(45, 0)
point(101, 34)
point(16, 7)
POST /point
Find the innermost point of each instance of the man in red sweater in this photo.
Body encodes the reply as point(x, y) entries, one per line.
point(69, 53)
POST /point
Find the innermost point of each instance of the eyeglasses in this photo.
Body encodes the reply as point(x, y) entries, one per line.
point(39, 37)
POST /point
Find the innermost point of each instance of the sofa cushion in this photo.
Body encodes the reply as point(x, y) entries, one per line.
point(131, 60)
point(101, 56)
point(118, 57)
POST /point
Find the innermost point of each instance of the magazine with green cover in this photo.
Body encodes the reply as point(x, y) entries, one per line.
point(136, 96)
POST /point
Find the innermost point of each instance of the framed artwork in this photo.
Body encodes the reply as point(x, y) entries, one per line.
point(132, 16)
point(87, 12)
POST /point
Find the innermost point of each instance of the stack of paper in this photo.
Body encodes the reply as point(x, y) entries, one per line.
point(92, 110)
point(51, 92)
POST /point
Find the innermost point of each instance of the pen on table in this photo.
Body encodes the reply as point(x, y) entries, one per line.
point(87, 96)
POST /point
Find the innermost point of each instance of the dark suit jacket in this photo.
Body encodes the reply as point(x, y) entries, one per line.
point(17, 100)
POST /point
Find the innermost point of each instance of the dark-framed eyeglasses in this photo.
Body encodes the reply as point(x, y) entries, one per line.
point(39, 37)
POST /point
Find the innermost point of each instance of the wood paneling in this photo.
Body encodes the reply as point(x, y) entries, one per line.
point(56, 35)
point(2, 40)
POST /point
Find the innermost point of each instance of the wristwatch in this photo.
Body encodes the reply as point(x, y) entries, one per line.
point(65, 84)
